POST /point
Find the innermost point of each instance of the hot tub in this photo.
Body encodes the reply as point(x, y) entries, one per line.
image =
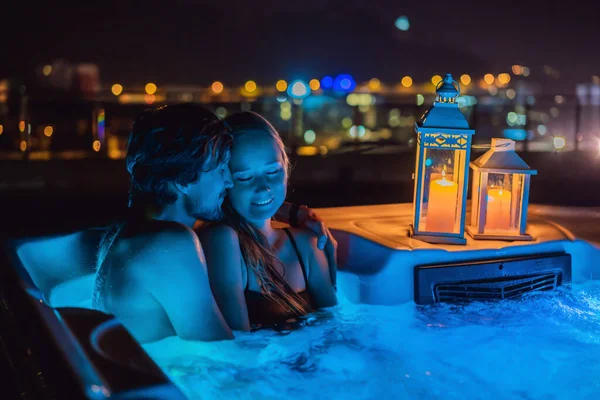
point(378, 261)
point(57, 346)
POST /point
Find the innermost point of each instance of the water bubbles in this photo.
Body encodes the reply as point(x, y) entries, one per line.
point(361, 351)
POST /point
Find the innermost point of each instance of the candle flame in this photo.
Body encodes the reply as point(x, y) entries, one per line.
point(443, 181)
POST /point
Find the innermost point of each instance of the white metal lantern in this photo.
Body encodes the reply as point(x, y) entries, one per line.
point(441, 173)
point(500, 194)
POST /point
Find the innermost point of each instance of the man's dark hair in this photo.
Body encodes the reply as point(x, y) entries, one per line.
point(172, 144)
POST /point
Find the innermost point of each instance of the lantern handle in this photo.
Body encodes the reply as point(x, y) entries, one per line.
point(489, 146)
point(452, 81)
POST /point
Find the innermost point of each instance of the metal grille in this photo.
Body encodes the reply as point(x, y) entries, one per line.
point(495, 288)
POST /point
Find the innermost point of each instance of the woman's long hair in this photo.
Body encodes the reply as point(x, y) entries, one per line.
point(259, 256)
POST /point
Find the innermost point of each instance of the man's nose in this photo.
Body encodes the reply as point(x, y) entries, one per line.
point(228, 179)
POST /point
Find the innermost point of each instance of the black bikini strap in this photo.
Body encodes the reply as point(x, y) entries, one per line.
point(247, 272)
point(295, 246)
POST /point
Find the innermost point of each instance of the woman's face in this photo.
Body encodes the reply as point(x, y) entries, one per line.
point(259, 176)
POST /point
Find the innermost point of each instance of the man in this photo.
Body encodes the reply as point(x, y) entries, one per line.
point(151, 268)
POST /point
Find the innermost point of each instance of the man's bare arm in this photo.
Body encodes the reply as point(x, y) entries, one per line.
point(177, 277)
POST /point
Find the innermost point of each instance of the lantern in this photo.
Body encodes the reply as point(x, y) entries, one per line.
point(441, 173)
point(500, 194)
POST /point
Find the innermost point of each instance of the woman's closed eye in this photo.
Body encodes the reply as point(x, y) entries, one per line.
point(275, 171)
point(247, 178)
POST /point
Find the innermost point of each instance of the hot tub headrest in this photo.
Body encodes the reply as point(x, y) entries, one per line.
point(50, 261)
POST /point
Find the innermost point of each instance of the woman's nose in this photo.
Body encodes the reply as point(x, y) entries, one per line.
point(262, 185)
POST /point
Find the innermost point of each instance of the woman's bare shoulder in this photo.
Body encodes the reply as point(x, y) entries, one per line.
point(305, 238)
point(218, 234)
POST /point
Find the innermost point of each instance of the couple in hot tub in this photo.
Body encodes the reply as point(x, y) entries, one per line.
point(198, 257)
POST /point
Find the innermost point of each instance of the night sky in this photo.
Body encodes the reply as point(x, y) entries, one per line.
point(197, 42)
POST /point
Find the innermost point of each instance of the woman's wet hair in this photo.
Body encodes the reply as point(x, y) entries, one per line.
point(255, 249)
point(172, 144)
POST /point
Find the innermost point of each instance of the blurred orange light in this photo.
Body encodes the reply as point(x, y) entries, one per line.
point(314, 84)
point(517, 69)
point(217, 87)
point(374, 84)
point(250, 86)
point(116, 89)
point(150, 88)
point(504, 78)
point(281, 85)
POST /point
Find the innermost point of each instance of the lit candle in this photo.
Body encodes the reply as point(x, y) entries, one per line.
point(441, 208)
point(497, 216)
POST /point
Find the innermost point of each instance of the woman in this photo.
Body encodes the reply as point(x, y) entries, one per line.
point(261, 275)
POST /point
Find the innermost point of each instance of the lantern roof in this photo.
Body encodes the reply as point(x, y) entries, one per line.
point(444, 115)
point(502, 157)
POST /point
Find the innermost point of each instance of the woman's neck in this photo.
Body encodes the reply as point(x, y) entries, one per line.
point(266, 229)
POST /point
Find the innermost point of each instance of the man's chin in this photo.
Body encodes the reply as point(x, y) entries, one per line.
point(215, 215)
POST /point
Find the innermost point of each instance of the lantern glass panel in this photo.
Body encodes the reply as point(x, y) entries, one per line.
point(443, 173)
point(504, 196)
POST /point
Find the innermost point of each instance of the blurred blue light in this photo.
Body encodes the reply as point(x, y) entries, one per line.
point(515, 134)
point(402, 23)
point(327, 82)
point(344, 83)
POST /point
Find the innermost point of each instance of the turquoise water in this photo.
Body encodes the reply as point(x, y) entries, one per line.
point(544, 346)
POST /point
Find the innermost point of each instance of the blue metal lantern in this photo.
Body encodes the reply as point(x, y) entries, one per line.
point(441, 172)
point(500, 194)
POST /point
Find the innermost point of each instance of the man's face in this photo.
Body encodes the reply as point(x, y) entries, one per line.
point(205, 196)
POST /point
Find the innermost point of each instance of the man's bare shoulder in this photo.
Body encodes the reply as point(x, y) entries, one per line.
point(160, 247)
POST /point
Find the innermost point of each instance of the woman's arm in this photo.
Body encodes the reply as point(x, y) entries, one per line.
point(305, 217)
point(320, 276)
point(223, 258)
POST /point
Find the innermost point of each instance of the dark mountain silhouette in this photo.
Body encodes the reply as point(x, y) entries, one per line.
point(314, 44)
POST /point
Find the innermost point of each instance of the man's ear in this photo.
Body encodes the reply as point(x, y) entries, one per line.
point(184, 189)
